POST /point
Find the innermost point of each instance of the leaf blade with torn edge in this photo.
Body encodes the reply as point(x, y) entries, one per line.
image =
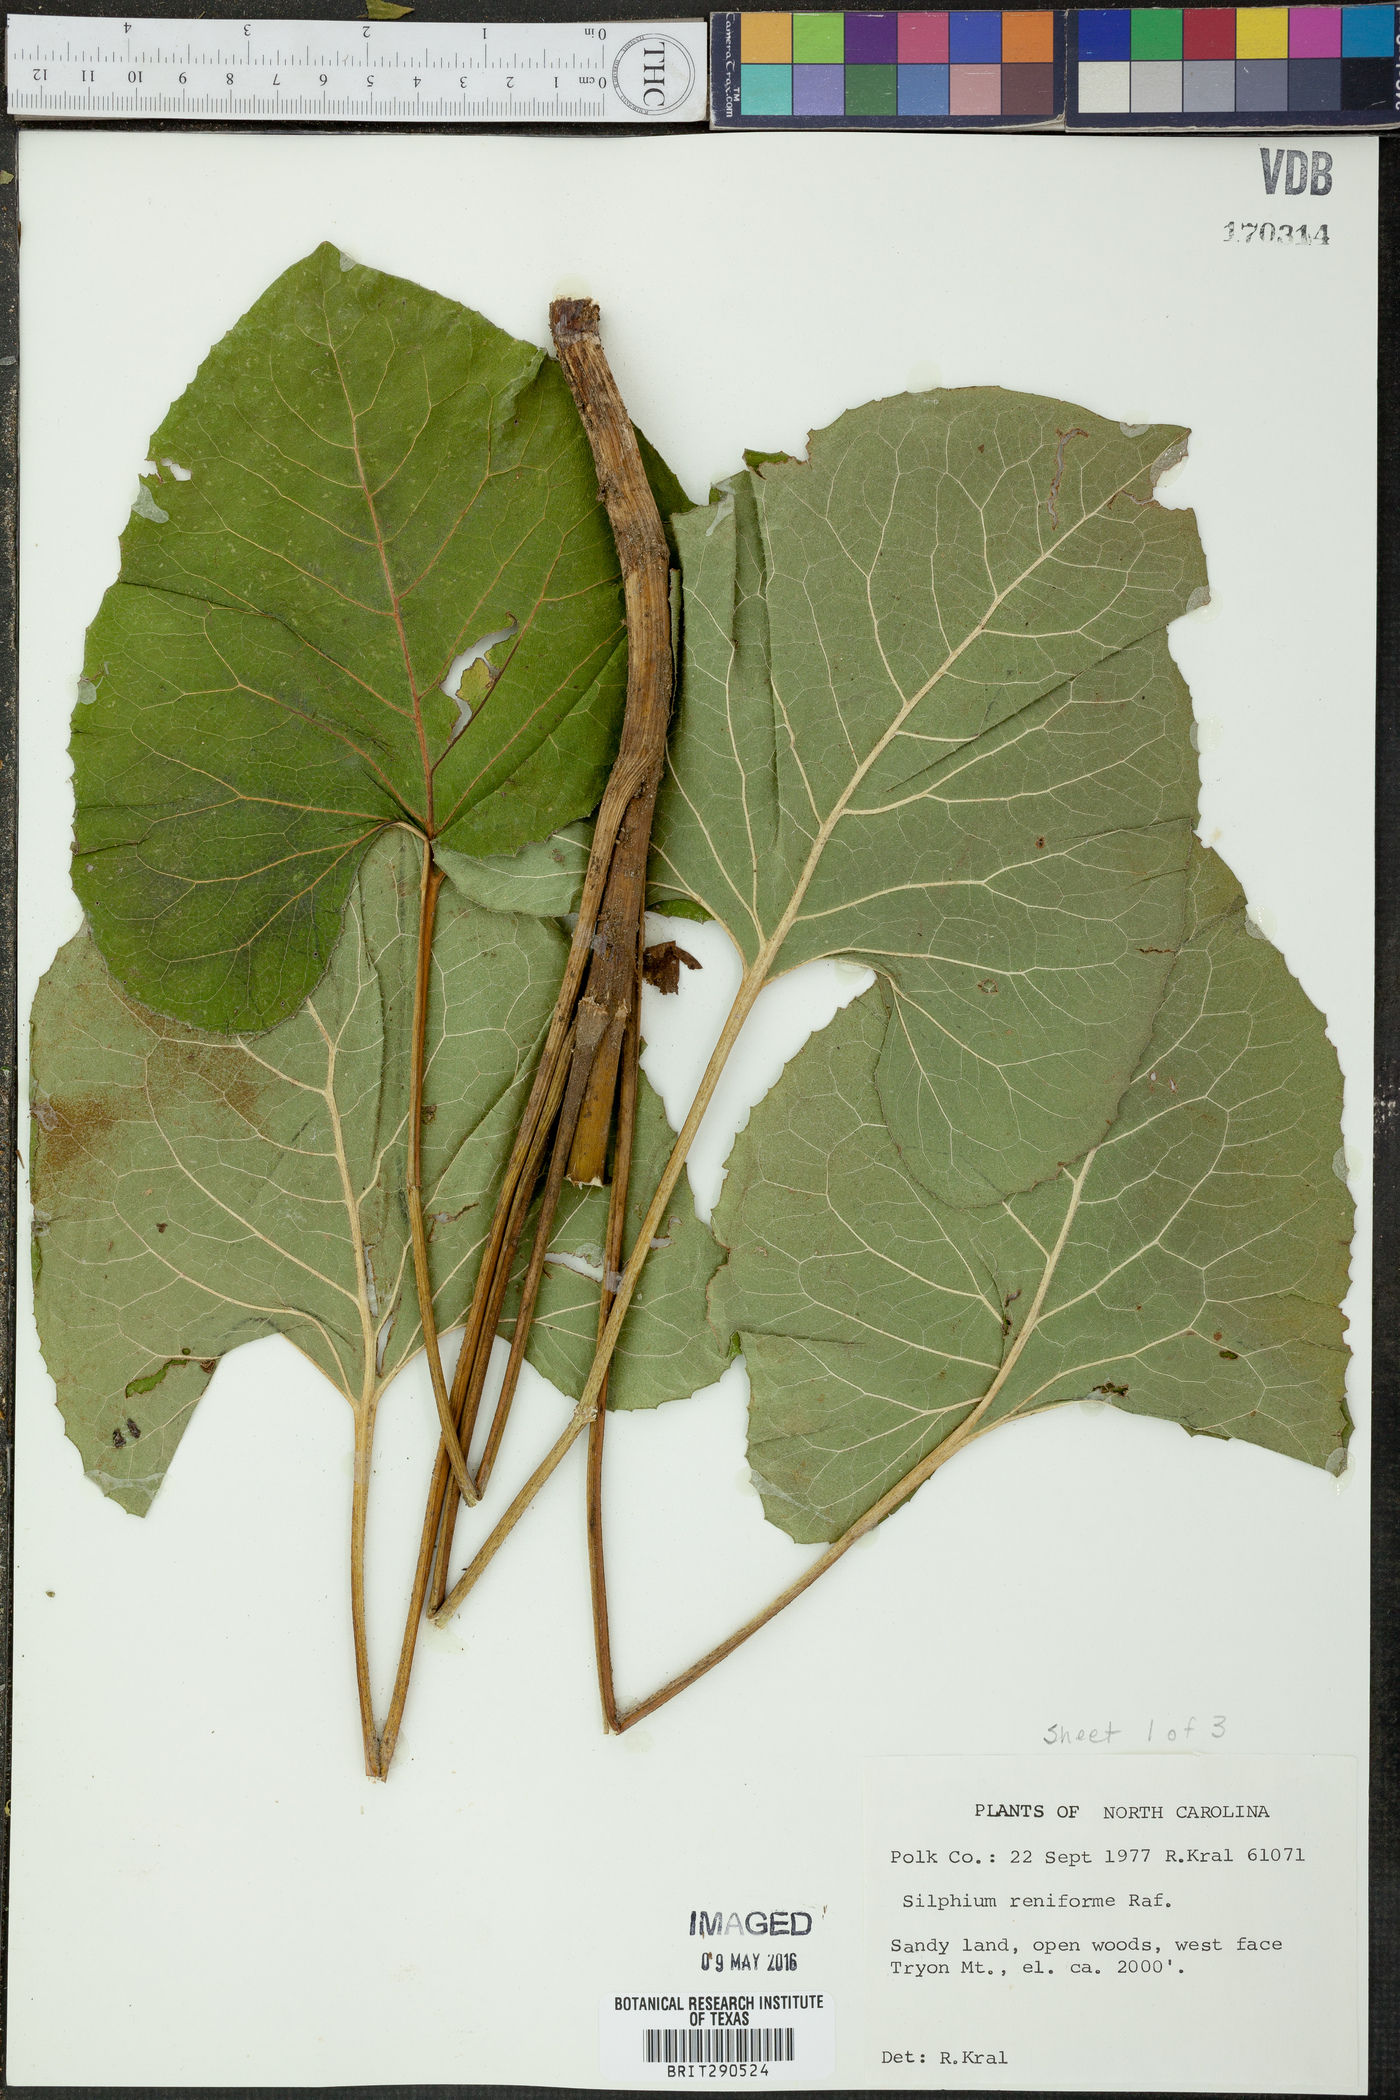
point(544, 878)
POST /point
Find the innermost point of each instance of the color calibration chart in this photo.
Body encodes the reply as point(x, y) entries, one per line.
point(1165, 68)
point(993, 68)
point(1220, 69)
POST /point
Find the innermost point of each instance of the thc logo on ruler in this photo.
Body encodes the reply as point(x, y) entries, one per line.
point(654, 75)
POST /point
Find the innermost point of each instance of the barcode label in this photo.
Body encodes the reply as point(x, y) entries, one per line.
point(715, 2029)
point(719, 2045)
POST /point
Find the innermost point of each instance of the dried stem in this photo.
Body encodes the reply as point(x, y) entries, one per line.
point(750, 985)
point(364, 1441)
point(612, 1263)
point(492, 1281)
point(427, 914)
point(610, 911)
point(437, 1493)
point(645, 564)
point(548, 1465)
point(900, 1492)
point(591, 1032)
point(612, 902)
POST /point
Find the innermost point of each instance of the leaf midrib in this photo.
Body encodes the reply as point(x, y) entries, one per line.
point(389, 585)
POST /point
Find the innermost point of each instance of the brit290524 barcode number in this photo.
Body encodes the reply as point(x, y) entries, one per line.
point(719, 2046)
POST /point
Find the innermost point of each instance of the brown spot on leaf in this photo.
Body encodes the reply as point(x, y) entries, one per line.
point(118, 1440)
point(223, 1069)
point(987, 984)
point(1040, 845)
point(161, 1228)
point(661, 966)
point(71, 1138)
point(132, 1427)
point(208, 1363)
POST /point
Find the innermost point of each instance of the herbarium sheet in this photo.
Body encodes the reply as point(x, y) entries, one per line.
point(1019, 500)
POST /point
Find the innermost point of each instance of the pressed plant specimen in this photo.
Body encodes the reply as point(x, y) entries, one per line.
point(420, 680)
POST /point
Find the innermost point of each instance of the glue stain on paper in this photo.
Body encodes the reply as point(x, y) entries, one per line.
point(146, 506)
point(443, 1638)
point(923, 379)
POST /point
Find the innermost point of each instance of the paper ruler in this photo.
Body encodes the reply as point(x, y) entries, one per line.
point(97, 66)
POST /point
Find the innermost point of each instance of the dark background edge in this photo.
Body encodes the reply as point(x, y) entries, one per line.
point(1384, 2077)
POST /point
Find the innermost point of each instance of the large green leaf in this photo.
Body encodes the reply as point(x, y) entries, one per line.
point(1196, 1258)
point(193, 1192)
point(363, 480)
point(929, 722)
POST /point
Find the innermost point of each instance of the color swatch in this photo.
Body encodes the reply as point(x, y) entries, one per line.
point(1222, 68)
point(908, 71)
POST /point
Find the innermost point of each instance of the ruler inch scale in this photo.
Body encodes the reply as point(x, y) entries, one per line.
point(98, 67)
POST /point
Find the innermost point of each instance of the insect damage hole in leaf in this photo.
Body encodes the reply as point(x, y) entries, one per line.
point(470, 693)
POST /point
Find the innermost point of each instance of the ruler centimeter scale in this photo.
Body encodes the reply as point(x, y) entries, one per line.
point(95, 66)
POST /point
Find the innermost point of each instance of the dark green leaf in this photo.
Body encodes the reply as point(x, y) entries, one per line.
point(363, 481)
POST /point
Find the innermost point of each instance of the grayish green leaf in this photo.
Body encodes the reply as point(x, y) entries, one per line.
point(545, 878)
point(929, 722)
point(1196, 1258)
point(363, 480)
point(193, 1192)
